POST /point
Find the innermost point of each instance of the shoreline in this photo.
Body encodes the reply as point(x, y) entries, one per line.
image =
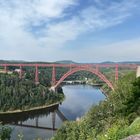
point(31, 109)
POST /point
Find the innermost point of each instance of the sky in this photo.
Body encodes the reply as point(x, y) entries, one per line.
point(78, 30)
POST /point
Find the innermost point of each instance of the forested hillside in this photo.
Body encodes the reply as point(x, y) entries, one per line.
point(115, 118)
point(22, 94)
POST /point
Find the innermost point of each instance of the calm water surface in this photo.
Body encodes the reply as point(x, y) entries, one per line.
point(79, 98)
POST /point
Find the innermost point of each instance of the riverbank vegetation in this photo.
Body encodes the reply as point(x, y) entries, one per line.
point(113, 119)
point(23, 94)
point(5, 132)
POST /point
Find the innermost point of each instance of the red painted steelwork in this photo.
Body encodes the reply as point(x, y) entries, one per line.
point(131, 66)
point(116, 72)
point(5, 68)
point(36, 74)
point(20, 72)
point(53, 76)
point(92, 70)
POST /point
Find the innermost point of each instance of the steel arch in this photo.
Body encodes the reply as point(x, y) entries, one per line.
point(92, 70)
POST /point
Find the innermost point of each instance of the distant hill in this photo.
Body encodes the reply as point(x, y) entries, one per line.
point(123, 62)
point(11, 61)
point(67, 62)
point(33, 62)
point(21, 61)
point(130, 62)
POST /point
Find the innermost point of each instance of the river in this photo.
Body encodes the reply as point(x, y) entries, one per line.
point(39, 124)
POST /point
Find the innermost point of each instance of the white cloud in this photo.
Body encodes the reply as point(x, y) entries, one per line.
point(18, 15)
point(107, 15)
point(127, 50)
point(89, 19)
point(37, 9)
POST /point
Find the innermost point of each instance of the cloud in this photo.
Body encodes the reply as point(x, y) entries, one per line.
point(126, 50)
point(88, 20)
point(17, 15)
point(37, 9)
point(45, 27)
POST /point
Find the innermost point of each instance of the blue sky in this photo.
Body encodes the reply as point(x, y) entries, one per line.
point(78, 30)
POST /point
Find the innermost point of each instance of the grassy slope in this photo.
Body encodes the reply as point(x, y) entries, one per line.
point(112, 119)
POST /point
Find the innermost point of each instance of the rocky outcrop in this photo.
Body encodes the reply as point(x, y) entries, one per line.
point(134, 137)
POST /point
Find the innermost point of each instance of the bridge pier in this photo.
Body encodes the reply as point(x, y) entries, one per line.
point(5, 68)
point(53, 76)
point(116, 72)
point(53, 120)
point(36, 75)
point(20, 72)
point(36, 121)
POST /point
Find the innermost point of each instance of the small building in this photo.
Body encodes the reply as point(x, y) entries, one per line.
point(17, 70)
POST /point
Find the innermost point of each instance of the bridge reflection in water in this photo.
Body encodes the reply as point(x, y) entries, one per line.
point(18, 119)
